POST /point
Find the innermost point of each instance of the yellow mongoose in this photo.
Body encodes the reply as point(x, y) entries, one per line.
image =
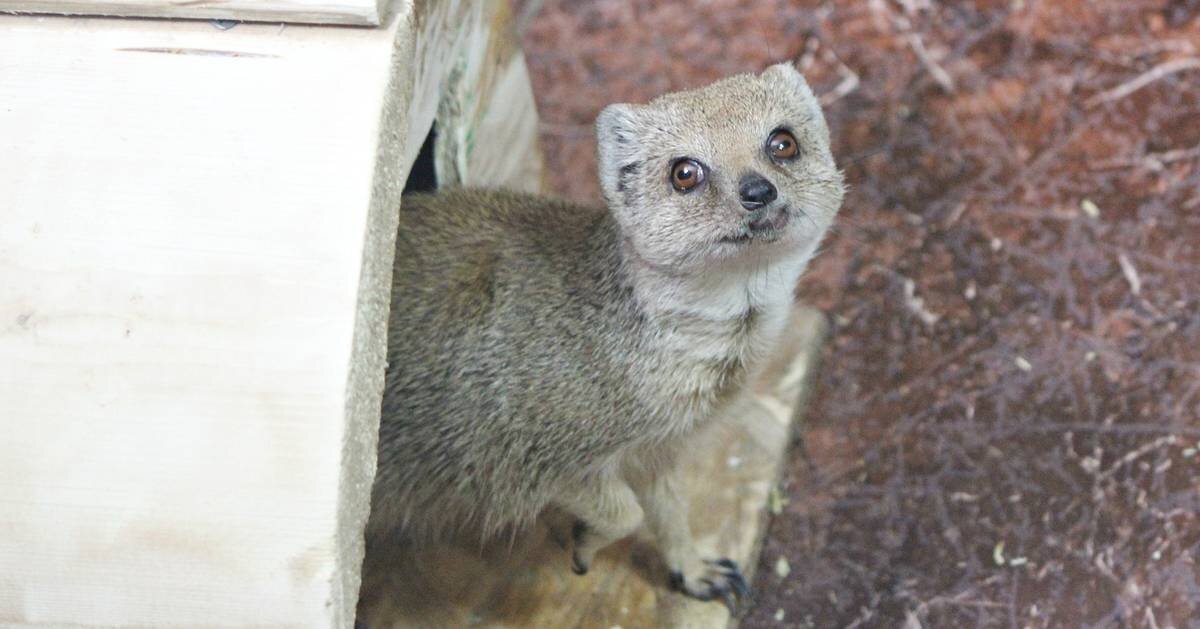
point(546, 354)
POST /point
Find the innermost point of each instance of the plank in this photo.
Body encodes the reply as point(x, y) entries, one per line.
point(188, 218)
point(196, 235)
point(354, 12)
point(528, 583)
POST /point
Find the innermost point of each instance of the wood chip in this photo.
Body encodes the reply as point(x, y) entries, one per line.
point(775, 501)
point(916, 305)
point(782, 567)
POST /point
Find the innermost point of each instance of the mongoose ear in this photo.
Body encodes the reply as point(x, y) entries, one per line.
point(617, 124)
point(617, 130)
point(787, 75)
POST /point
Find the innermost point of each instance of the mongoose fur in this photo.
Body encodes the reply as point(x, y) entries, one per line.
point(546, 354)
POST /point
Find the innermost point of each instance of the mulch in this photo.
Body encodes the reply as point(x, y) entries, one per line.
point(1006, 426)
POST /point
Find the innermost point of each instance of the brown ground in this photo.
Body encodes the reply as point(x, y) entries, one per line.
point(1008, 415)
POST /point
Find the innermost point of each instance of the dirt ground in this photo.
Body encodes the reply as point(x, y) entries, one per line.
point(1007, 422)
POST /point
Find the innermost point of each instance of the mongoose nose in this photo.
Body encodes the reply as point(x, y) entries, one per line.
point(755, 192)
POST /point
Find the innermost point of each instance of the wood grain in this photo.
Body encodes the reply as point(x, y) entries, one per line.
point(353, 12)
point(182, 246)
point(196, 235)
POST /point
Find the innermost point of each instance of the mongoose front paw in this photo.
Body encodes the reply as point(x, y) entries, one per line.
point(719, 578)
point(580, 559)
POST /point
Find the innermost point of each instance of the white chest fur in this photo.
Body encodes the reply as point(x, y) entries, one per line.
point(710, 331)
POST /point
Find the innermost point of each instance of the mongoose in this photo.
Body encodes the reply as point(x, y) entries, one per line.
point(543, 354)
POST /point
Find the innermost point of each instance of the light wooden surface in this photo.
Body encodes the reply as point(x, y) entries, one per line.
point(356, 12)
point(196, 235)
point(529, 584)
point(471, 74)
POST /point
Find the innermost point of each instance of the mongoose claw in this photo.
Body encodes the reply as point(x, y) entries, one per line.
point(721, 579)
point(736, 579)
point(578, 566)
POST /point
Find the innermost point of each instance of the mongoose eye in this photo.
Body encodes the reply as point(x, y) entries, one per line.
point(782, 145)
point(686, 174)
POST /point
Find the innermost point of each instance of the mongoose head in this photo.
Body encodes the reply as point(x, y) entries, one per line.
point(737, 169)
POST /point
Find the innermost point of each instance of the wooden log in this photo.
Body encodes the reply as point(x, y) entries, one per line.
point(196, 235)
point(354, 12)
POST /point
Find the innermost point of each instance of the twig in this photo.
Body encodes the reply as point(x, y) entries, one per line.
point(848, 84)
point(1131, 274)
point(912, 7)
point(849, 81)
point(1151, 621)
point(1142, 80)
point(938, 73)
point(806, 58)
point(1115, 429)
point(1136, 454)
point(1153, 161)
point(958, 600)
point(916, 305)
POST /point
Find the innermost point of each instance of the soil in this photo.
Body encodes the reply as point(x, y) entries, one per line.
point(1006, 427)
